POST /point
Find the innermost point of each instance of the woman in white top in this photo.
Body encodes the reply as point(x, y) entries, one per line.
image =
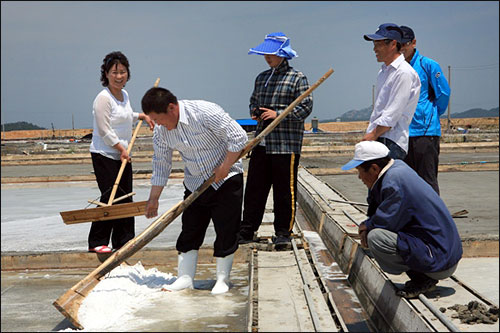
point(113, 122)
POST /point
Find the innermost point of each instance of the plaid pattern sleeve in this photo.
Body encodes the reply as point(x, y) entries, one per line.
point(276, 89)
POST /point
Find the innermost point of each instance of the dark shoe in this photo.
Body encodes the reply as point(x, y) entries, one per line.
point(416, 276)
point(245, 240)
point(415, 287)
point(282, 242)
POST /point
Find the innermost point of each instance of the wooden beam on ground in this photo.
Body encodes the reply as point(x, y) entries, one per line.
point(280, 292)
point(104, 213)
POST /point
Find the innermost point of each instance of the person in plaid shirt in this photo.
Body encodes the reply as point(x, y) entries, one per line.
point(275, 160)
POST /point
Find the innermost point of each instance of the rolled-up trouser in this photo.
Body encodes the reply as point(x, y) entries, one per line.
point(223, 207)
point(383, 245)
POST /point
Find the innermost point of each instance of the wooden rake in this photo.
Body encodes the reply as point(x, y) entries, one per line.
point(108, 211)
point(69, 303)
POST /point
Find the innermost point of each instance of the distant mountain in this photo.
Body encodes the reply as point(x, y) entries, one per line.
point(20, 126)
point(352, 115)
point(474, 113)
point(364, 114)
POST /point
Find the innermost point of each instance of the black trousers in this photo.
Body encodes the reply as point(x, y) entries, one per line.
point(223, 207)
point(395, 151)
point(121, 230)
point(423, 157)
point(264, 171)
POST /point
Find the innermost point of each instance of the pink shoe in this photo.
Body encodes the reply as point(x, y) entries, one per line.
point(101, 249)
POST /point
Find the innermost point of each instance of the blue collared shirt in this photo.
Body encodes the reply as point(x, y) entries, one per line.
point(204, 134)
point(402, 202)
point(426, 122)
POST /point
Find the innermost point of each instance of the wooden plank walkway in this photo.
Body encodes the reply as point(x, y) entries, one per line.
point(282, 304)
point(375, 288)
point(288, 295)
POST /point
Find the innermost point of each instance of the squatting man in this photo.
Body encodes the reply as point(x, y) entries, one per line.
point(409, 228)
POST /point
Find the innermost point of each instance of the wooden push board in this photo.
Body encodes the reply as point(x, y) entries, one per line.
point(104, 213)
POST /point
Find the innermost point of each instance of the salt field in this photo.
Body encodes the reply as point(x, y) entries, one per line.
point(31, 222)
point(131, 299)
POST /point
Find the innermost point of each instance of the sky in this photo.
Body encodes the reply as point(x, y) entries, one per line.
point(51, 52)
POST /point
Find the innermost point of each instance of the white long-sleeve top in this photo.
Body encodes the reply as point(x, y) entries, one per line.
point(113, 122)
point(204, 134)
point(396, 98)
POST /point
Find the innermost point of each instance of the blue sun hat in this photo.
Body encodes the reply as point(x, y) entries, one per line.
point(276, 43)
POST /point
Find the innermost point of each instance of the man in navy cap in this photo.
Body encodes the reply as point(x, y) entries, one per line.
point(425, 128)
point(275, 160)
point(409, 228)
point(396, 94)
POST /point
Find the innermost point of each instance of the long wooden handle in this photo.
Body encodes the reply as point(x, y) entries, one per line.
point(278, 119)
point(69, 303)
point(124, 162)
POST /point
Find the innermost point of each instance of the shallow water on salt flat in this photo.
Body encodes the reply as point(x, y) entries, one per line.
point(30, 219)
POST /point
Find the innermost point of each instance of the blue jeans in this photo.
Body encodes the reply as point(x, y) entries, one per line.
point(395, 151)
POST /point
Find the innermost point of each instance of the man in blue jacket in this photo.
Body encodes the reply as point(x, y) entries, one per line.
point(425, 127)
point(409, 228)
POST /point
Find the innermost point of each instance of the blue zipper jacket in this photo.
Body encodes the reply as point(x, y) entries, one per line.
point(425, 121)
point(402, 202)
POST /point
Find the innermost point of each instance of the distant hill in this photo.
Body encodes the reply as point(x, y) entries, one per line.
point(364, 114)
point(352, 115)
point(20, 126)
point(474, 113)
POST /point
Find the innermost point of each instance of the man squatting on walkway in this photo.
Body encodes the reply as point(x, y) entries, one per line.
point(425, 127)
point(275, 160)
point(409, 228)
point(209, 141)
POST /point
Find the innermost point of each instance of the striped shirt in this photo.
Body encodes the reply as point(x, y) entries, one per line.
point(276, 89)
point(204, 134)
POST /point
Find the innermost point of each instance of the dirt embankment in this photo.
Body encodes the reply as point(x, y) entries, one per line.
point(481, 123)
point(487, 123)
point(57, 134)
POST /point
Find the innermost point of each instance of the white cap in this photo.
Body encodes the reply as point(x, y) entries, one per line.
point(366, 151)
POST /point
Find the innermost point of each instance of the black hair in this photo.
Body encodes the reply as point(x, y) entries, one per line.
point(157, 100)
point(381, 162)
point(398, 44)
point(400, 32)
point(109, 61)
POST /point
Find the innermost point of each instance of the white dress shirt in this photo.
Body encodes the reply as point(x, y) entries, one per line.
point(396, 98)
point(204, 134)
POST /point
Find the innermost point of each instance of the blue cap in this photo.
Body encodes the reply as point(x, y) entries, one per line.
point(276, 43)
point(408, 34)
point(386, 31)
